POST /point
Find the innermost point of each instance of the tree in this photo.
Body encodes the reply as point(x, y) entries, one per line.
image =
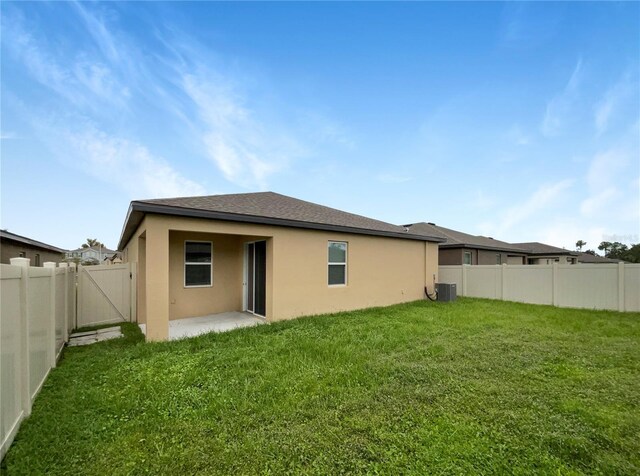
point(580, 244)
point(618, 250)
point(633, 254)
point(590, 252)
point(605, 246)
point(92, 243)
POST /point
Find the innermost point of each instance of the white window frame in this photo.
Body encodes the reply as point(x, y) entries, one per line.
point(346, 260)
point(464, 255)
point(184, 266)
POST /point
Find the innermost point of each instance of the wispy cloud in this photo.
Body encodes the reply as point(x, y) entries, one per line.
point(128, 165)
point(82, 80)
point(559, 107)
point(97, 27)
point(245, 149)
point(105, 76)
point(617, 96)
point(598, 201)
point(602, 180)
point(541, 199)
point(565, 232)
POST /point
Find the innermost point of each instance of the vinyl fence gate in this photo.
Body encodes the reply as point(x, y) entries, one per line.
point(106, 294)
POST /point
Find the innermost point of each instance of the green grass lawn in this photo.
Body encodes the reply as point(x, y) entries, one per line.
point(474, 386)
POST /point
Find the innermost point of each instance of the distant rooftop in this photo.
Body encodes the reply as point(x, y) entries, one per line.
point(6, 235)
point(588, 258)
point(458, 239)
point(537, 248)
point(98, 249)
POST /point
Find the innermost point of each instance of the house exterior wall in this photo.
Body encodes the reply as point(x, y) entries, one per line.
point(225, 293)
point(490, 257)
point(12, 249)
point(450, 256)
point(380, 271)
point(516, 260)
point(550, 259)
point(455, 256)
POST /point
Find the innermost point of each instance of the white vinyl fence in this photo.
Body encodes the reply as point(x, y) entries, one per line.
point(592, 286)
point(37, 312)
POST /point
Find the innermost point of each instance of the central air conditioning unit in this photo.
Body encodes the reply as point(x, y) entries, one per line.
point(446, 292)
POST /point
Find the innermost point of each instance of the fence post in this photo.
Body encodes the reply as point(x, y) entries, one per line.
point(503, 271)
point(74, 270)
point(464, 279)
point(621, 286)
point(52, 312)
point(25, 390)
point(65, 331)
point(554, 281)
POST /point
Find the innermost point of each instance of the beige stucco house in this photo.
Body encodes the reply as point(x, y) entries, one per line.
point(268, 254)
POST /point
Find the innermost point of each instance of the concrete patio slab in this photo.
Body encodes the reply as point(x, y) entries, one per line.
point(223, 322)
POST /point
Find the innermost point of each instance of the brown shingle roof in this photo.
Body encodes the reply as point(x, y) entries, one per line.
point(595, 259)
point(266, 208)
point(458, 239)
point(6, 235)
point(537, 248)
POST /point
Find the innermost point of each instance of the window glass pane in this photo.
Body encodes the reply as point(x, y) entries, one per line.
point(337, 252)
point(197, 275)
point(337, 274)
point(467, 258)
point(197, 252)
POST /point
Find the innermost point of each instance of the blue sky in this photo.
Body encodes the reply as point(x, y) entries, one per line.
point(519, 121)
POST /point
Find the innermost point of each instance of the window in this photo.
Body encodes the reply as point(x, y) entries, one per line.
point(197, 263)
point(37, 260)
point(467, 257)
point(498, 258)
point(22, 254)
point(337, 263)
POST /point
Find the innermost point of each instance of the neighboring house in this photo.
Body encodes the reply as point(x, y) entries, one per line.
point(540, 253)
point(462, 248)
point(588, 258)
point(16, 246)
point(97, 253)
point(271, 255)
point(116, 258)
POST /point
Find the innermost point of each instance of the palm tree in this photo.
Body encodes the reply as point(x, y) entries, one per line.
point(91, 243)
point(580, 244)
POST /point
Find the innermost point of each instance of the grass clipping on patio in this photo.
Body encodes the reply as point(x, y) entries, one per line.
point(474, 386)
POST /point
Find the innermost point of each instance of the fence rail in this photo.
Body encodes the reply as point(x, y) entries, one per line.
point(592, 286)
point(37, 312)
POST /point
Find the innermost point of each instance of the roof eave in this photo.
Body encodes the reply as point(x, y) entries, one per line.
point(137, 210)
point(483, 247)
